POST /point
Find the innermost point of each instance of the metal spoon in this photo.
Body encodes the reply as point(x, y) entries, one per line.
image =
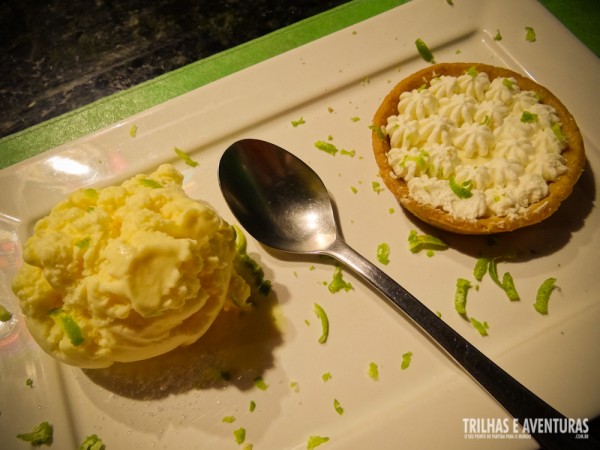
point(284, 204)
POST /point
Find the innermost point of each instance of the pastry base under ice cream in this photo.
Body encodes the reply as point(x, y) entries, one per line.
point(127, 272)
point(442, 214)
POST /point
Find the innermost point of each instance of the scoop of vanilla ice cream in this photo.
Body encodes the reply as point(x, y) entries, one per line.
point(127, 272)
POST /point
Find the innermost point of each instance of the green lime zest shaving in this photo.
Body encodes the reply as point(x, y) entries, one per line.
point(326, 377)
point(259, 382)
point(420, 160)
point(557, 129)
point(247, 267)
point(83, 243)
point(373, 371)
point(315, 441)
point(406, 360)
point(294, 386)
point(68, 325)
point(29, 382)
point(322, 315)
point(40, 435)
point(460, 296)
point(530, 34)
point(355, 119)
point(418, 242)
point(185, 157)
point(508, 83)
point(150, 183)
point(327, 147)
point(240, 435)
point(252, 406)
point(338, 407)
point(472, 71)
point(298, 122)
point(376, 185)
point(228, 419)
point(424, 51)
point(378, 130)
point(481, 268)
point(91, 197)
point(92, 442)
point(462, 190)
point(91, 193)
point(241, 244)
point(350, 153)
point(493, 271)
point(5, 314)
point(481, 327)
point(498, 36)
point(542, 296)
point(337, 283)
point(133, 130)
point(383, 253)
point(529, 117)
point(508, 285)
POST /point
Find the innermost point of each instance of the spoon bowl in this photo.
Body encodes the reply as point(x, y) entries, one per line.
point(277, 198)
point(284, 204)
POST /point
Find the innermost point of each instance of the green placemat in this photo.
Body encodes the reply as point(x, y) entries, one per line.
point(582, 17)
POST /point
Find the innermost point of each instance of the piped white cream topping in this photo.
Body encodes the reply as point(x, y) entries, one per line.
point(490, 137)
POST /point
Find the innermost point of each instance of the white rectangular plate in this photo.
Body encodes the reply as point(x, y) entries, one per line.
point(330, 83)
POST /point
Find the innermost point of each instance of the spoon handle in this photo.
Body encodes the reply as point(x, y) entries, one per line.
point(519, 401)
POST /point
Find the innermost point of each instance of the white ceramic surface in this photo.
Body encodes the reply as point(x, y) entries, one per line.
point(328, 83)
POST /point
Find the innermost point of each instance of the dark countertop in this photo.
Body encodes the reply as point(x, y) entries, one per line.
point(57, 56)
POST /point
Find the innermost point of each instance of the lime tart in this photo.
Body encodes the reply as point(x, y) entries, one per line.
point(476, 149)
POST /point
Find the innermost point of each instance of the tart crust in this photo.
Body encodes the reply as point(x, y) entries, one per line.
point(559, 189)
